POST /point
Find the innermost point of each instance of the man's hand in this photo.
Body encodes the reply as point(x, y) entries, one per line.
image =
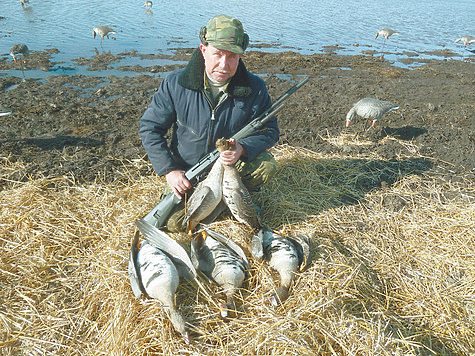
point(230, 157)
point(178, 183)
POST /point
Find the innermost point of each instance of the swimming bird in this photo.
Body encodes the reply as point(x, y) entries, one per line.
point(156, 273)
point(24, 2)
point(467, 40)
point(103, 31)
point(285, 255)
point(205, 198)
point(19, 49)
point(148, 4)
point(386, 33)
point(222, 261)
point(235, 193)
point(370, 108)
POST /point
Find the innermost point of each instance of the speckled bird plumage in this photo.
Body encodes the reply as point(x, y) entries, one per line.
point(153, 272)
point(370, 108)
point(235, 193)
point(285, 255)
point(222, 261)
point(205, 198)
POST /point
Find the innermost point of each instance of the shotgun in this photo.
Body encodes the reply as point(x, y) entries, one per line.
point(160, 213)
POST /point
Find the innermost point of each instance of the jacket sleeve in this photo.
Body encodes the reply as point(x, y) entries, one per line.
point(268, 137)
point(154, 125)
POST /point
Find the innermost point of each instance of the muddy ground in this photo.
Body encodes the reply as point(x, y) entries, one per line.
point(88, 126)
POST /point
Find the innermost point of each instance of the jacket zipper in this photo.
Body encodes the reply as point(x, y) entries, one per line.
point(210, 132)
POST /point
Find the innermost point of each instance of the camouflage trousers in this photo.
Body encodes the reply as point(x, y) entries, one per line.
point(254, 175)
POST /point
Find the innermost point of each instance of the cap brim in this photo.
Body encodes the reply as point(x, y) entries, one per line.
point(228, 47)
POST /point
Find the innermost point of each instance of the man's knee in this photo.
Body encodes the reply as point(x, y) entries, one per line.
point(258, 172)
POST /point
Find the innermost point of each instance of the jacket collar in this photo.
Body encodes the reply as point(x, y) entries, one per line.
point(193, 77)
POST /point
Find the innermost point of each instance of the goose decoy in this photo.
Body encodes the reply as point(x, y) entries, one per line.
point(235, 194)
point(222, 261)
point(285, 255)
point(386, 33)
point(148, 4)
point(19, 49)
point(370, 108)
point(103, 31)
point(205, 198)
point(467, 40)
point(155, 272)
point(5, 111)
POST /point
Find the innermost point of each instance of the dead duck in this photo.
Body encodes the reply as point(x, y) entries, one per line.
point(156, 273)
point(286, 255)
point(206, 197)
point(222, 261)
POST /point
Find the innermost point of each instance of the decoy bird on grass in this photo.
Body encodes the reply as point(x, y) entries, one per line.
point(286, 255)
point(5, 111)
point(370, 108)
point(222, 261)
point(466, 40)
point(19, 49)
point(103, 31)
point(156, 273)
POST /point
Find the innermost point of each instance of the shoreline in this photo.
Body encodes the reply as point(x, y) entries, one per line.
point(93, 120)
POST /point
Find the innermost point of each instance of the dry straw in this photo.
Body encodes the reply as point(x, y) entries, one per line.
point(392, 269)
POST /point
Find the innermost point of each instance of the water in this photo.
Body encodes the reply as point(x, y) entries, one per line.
point(305, 26)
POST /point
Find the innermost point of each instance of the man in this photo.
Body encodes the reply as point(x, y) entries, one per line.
point(214, 96)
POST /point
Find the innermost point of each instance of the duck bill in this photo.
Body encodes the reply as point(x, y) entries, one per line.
point(348, 123)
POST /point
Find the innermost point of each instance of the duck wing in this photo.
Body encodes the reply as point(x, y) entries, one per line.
point(134, 269)
point(162, 241)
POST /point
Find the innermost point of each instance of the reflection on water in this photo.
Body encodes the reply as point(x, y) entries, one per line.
point(305, 26)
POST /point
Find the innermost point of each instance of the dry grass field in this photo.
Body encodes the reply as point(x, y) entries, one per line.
point(392, 269)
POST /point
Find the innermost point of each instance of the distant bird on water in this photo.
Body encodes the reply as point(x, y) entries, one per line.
point(19, 50)
point(370, 108)
point(386, 33)
point(148, 4)
point(24, 2)
point(467, 40)
point(103, 31)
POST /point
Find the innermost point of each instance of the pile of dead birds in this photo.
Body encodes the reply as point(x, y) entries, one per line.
point(391, 267)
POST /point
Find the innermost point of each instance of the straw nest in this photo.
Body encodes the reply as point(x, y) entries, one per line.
point(392, 270)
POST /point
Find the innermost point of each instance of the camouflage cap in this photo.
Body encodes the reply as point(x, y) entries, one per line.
point(225, 32)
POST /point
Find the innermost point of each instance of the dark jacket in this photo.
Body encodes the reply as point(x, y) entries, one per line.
point(182, 103)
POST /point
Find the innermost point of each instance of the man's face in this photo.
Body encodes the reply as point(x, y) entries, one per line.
point(220, 64)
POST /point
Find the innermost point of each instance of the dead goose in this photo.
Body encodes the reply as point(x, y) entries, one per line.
point(222, 261)
point(205, 198)
point(235, 193)
point(370, 108)
point(285, 255)
point(154, 272)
